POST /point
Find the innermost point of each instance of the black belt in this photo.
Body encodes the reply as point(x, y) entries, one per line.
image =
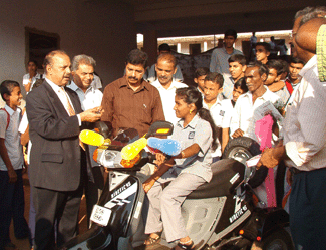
point(295, 171)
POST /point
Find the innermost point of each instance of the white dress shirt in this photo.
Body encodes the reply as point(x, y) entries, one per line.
point(11, 137)
point(221, 112)
point(26, 79)
point(305, 121)
point(90, 99)
point(244, 112)
point(168, 99)
point(150, 74)
point(63, 96)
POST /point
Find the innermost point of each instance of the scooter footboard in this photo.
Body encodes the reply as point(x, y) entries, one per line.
point(96, 238)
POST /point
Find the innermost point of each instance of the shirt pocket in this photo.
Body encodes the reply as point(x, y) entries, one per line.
point(146, 112)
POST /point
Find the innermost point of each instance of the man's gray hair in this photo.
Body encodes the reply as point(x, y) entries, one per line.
point(82, 59)
point(309, 13)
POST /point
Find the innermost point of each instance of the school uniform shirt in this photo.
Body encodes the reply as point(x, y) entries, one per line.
point(305, 121)
point(26, 79)
point(90, 99)
point(197, 131)
point(221, 112)
point(228, 86)
point(244, 112)
point(168, 99)
point(12, 138)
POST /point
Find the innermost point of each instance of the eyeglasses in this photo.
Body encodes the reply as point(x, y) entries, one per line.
point(293, 34)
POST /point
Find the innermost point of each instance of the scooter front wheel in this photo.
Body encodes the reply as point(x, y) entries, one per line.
point(279, 240)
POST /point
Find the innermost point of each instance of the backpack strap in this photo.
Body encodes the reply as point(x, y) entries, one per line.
point(8, 117)
point(289, 86)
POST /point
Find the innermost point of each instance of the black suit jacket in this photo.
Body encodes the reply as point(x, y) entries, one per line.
point(55, 154)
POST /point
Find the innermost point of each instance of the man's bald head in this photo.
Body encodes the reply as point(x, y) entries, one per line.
point(306, 36)
point(305, 32)
point(167, 57)
point(165, 67)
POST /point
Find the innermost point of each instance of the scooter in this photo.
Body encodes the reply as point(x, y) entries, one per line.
point(219, 214)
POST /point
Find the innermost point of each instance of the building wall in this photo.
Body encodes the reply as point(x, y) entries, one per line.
point(184, 42)
point(101, 29)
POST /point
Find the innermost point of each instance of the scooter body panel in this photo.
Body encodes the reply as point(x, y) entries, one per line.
point(201, 218)
point(124, 197)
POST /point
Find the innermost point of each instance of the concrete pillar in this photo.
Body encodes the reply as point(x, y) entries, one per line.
point(179, 48)
point(205, 47)
point(150, 45)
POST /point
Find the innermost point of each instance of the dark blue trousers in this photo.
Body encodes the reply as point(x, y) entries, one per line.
point(308, 210)
point(12, 207)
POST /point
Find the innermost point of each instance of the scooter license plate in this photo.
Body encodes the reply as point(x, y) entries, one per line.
point(100, 215)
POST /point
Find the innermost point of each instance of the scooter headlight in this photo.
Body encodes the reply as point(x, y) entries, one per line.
point(104, 157)
point(130, 163)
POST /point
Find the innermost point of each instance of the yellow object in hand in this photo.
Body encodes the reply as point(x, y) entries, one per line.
point(131, 150)
point(89, 137)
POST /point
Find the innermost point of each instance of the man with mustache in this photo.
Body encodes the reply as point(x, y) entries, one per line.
point(130, 101)
point(242, 123)
point(165, 67)
point(55, 119)
point(150, 73)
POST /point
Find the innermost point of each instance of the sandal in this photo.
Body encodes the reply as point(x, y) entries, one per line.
point(151, 241)
point(185, 247)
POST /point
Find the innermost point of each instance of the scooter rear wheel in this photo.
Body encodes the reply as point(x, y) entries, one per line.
point(279, 240)
point(242, 149)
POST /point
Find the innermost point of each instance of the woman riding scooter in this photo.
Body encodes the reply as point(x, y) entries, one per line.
point(187, 171)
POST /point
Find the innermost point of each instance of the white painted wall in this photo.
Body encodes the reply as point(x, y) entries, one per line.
point(101, 29)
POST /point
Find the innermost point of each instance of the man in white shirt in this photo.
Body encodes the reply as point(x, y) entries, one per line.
point(242, 123)
point(165, 69)
point(150, 74)
point(90, 97)
point(221, 110)
point(304, 146)
point(83, 74)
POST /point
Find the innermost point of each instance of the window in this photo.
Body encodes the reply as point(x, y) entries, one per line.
point(195, 48)
point(38, 44)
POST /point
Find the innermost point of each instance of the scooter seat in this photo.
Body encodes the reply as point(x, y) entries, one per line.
point(227, 175)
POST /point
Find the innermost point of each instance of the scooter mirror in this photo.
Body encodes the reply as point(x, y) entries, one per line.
point(160, 128)
point(103, 128)
point(249, 173)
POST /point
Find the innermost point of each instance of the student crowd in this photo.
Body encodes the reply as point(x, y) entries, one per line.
point(67, 98)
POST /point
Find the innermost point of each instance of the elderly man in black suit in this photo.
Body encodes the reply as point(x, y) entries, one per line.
point(55, 117)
